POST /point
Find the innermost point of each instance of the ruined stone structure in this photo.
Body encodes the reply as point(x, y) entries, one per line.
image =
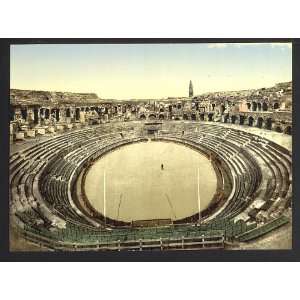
point(49, 208)
point(33, 112)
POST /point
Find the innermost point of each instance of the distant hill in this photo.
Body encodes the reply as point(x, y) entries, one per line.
point(31, 96)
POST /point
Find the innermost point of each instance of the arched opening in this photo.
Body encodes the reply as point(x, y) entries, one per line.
point(82, 108)
point(170, 108)
point(68, 113)
point(210, 117)
point(161, 117)
point(288, 130)
point(142, 117)
point(193, 117)
point(276, 105)
point(242, 120)
point(265, 106)
point(222, 109)
point(152, 117)
point(213, 106)
point(259, 106)
point(178, 106)
point(201, 117)
point(185, 117)
point(233, 119)
point(269, 123)
point(161, 110)
point(92, 108)
point(57, 115)
point(278, 129)
point(24, 113)
point(35, 116)
point(226, 118)
point(249, 106)
point(77, 113)
point(254, 106)
point(12, 113)
point(260, 122)
point(250, 121)
point(87, 109)
point(47, 113)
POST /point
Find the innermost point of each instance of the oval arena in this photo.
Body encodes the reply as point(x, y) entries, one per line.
point(112, 182)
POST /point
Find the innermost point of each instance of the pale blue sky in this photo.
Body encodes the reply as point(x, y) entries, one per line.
point(125, 71)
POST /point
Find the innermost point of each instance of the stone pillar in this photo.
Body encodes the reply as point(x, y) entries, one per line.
point(11, 133)
point(82, 117)
point(30, 117)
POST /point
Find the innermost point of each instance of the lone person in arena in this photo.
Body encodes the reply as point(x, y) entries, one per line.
point(162, 166)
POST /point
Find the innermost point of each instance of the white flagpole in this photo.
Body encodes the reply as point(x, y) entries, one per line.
point(199, 204)
point(104, 200)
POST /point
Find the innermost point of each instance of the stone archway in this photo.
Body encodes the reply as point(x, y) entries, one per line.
point(57, 114)
point(161, 117)
point(222, 109)
point(142, 117)
point(152, 117)
point(77, 113)
point(35, 116)
point(276, 105)
point(185, 117)
point(24, 113)
point(250, 121)
point(233, 119)
point(260, 121)
point(210, 117)
point(254, 106)
point(265, 106)
point(47, 113)
point(68, 113)
point(242, 120)
point(278, 128)
point(259, 106)
point(201, 117)
point(268, 123)
point(193, 117)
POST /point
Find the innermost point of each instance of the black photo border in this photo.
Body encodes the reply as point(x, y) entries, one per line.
point(207, 255)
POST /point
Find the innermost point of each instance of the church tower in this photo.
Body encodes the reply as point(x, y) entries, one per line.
point(191, 92)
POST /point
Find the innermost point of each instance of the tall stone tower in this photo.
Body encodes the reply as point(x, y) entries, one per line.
point(191, 92)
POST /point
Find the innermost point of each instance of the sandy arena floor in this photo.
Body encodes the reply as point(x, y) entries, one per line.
point(136, 188)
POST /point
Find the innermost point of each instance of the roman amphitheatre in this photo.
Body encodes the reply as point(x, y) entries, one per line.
point(212, 171)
